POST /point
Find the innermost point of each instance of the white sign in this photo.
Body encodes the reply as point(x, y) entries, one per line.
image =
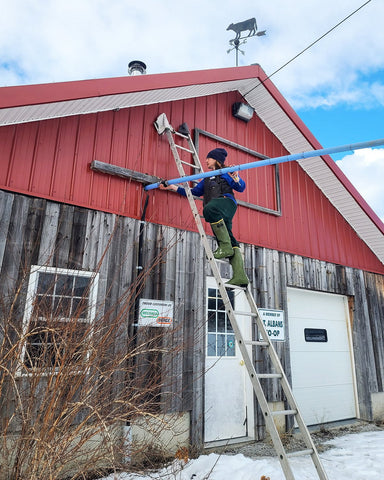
point(155, 313)
point(274, 323)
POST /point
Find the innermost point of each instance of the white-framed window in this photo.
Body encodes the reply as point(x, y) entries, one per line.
point(58, 317)
point(220, 336)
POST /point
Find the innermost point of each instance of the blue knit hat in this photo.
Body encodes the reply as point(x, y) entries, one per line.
point(219, 154)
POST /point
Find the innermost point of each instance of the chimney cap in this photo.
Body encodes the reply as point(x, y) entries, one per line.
point(137, 67)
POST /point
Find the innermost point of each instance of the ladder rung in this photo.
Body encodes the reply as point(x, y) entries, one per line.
point(183, 148)
point(229, 285)
point(284, 412)
point(246, 314)
point(190, 164)
point(256, 343)
point(181, 135)
point(300, 453)
point(269, 375)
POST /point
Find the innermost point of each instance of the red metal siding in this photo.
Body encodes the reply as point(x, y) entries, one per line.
point(51, 159)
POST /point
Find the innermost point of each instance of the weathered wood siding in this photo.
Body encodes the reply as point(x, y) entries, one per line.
point(38, 231)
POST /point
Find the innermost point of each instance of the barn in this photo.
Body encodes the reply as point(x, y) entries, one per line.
point(74, 159)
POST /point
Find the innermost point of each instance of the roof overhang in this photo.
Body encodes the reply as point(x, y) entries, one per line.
point(42, 102)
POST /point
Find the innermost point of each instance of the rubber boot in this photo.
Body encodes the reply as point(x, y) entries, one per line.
point(221, 233)
point(239, 276)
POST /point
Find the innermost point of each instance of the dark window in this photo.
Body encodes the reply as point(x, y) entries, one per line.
point(315, 335)
point(59, 314)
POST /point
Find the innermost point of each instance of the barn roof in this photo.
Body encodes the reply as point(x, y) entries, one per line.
point(31, 103)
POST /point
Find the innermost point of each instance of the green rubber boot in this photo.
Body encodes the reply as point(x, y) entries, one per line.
point(225, 248)
point(239, 276)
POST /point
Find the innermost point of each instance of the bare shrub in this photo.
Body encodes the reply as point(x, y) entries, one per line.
point(68, 386)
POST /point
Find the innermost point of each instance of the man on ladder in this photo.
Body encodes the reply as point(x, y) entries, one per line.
point(219, 209)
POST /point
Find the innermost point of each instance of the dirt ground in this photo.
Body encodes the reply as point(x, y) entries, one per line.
point(293, 442)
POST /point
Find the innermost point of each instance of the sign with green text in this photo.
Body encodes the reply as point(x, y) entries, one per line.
point(155, 313)
point(274, 323)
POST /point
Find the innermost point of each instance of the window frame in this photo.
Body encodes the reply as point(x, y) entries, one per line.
point(32, 292)
point(223, 335)
point(259, 156)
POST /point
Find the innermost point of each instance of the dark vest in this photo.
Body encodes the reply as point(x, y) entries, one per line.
point(215, 187)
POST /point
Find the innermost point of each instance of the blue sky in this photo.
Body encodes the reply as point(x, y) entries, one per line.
point(336, 86)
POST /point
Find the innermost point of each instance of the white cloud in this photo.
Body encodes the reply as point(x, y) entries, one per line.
point(58, 41)
point(365, 170)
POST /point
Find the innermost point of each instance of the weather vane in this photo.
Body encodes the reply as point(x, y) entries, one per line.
point(247, 25)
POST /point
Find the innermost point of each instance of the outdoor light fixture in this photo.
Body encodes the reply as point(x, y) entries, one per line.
point(242, 111)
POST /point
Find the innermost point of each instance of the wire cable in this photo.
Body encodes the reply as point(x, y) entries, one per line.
point(309, 46)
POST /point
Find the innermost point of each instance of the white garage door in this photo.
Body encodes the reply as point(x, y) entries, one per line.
point(322, 364)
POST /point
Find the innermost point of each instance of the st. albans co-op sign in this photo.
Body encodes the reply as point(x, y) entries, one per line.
point(155, 313)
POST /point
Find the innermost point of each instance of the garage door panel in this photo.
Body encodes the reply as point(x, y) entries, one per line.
point(326, 371)
point(318, 412)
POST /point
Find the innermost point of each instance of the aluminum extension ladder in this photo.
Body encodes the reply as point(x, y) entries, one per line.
point(163, 127)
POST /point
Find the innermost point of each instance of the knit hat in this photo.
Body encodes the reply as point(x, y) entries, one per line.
point(219, 154)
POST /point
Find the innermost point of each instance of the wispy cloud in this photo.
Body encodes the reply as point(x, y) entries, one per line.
point(56, 41)
point(365, 169)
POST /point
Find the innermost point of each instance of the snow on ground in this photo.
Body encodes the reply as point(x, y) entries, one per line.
point(353, 457)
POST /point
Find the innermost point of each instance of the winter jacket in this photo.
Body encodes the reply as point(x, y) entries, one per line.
point(223, 191)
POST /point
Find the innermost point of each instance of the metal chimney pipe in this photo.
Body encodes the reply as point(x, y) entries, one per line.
point(137, 67)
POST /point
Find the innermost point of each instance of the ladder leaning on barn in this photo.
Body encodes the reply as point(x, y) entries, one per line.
point(163, 127)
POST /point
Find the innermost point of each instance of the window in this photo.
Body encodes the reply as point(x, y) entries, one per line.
point(221, 339)
point(315, 335)
point(58, 317)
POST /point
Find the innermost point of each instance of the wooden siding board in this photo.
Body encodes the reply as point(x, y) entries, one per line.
point(12, 268)
point(49, 233)
point(6, 204)
point(110, 246)
point(363, 348)
point(375, 298)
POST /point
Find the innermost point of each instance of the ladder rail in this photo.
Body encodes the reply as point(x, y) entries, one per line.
point(287, 389)
point(266, 342)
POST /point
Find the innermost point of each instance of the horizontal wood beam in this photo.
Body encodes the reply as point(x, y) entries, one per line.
point(122, 172)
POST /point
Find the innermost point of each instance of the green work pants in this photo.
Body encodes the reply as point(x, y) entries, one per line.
point(222, 208)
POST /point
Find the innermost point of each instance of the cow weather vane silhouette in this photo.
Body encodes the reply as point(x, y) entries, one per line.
point(249, 25)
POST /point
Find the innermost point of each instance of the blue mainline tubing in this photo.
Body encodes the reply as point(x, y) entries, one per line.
point(271, 161)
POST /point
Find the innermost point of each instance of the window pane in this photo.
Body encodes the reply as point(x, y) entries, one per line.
point(45, 283)
point(62, 307)
point(229, 325)
point(212, 292)
point(221, 345)
point(79, 308)
point(231, 296)
point(212, 322)
point(211, 347)
point(211, 303)
point(220, 304)
point(43, 306)
point(231, 346)
point(81, 286)
point(64, 285)
point(221, 322)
